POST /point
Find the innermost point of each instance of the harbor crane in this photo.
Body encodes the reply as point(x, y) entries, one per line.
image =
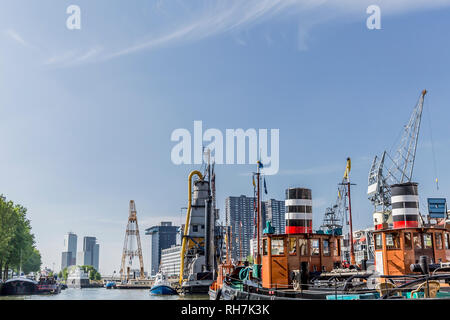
point(387, 170)
point(336, 216)
point(131, 236)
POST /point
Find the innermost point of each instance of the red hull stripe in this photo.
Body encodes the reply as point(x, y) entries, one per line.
point(290, 230)
point(406, 224)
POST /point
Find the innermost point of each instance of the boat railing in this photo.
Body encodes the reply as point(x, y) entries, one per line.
point(400, 286)
point(386, 287)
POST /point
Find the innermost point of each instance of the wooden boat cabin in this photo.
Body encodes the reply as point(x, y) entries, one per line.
point(284, 253)
point(397, 249)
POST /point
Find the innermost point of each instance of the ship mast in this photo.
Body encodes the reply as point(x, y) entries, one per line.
point(258, 217)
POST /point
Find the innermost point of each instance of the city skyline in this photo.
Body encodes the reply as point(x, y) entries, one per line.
point(71, 256)
point(87, 115)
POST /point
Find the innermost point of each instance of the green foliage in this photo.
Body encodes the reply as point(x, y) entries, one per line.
point(250, 259)
point(33, 263)
point(17, 245)
point(65, 273)
point(93, 274)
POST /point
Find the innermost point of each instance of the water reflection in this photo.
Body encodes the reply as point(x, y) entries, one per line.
point(104, 294)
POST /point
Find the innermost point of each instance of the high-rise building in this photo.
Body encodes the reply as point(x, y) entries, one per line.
point(171, 260)
point(161, 237)
point(241, 209)
point(90, 254)
point(96, 256)
point(68, 257)
point(274, 211)
point(83, 258)
point(239, 213)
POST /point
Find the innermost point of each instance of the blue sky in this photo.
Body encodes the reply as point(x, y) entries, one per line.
point(86, 115)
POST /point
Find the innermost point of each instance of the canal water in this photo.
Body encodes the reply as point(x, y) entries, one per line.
point(105, 294)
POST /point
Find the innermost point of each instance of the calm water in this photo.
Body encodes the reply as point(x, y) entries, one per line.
point(105, 294)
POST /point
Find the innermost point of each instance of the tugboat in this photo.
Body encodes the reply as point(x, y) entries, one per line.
point(162, 286)
point(412, 261)
point(48, 285)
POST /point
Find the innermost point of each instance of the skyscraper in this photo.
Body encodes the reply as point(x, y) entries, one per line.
point(241, 209)
point(274, 211)
point(90, 254)
point(240, 216)
point(68, 257)
point(161, 237)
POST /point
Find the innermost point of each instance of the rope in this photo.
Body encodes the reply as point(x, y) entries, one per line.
point(432, 146)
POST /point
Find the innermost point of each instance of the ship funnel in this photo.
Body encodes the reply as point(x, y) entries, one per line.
point(405, 205)
point(298, 210)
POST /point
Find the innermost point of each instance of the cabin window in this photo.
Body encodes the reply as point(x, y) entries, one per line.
point(337, 248)
point(326, 247)
point(277, 247)
point(417, 241)
point(447, 241)
point(264, 247)
point(438, 237)
point(378, 242)
point(303, 246)
point(315, 247)
point(408, 241)
point(392, 240)
point(427, 241)
point(195, 228)
point(293, 246)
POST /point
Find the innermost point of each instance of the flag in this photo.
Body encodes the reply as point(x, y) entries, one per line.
point(260, 165)
point(347, 168)
point(265, 187)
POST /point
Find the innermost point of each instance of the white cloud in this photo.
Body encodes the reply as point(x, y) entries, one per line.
point(314, 170)
point(223, 16)
point(74, 57)
point(190, 21)
point(16, 37)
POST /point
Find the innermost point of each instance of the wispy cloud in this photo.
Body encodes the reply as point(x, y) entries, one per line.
point(16, 37)
point(190, 21)
point(326, 169)
point(227, 16)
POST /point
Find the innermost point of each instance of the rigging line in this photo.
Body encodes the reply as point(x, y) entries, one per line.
point(432, 147)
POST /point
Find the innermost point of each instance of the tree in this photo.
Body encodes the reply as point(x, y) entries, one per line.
point(33, 263)
point(17, 245)
point(65, 273)
point(93, 274)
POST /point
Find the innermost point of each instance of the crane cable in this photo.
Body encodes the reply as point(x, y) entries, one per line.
point(432, 148)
